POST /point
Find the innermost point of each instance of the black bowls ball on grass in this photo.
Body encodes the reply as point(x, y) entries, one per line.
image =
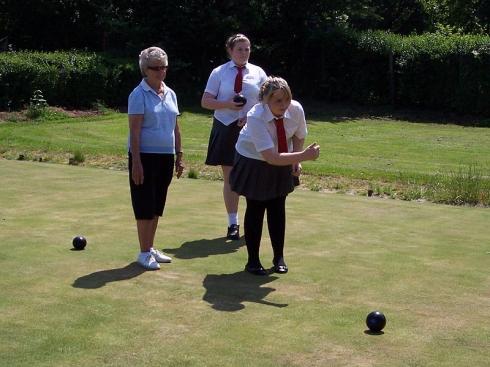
point(79, 243)
point(376, 321)
point(240, 98)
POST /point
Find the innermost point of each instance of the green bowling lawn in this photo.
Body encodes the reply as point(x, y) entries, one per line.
point(425, 266)
point(394, 158)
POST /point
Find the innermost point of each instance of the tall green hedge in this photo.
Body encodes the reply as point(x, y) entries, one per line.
point(71, 79)
point(443, 72)
point(435, 71)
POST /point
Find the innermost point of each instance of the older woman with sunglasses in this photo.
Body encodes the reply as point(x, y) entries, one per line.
point(154, 149)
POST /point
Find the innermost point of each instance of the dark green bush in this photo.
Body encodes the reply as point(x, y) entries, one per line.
point(433, 71)
point(70, 79)
point(123, 75)
point(444, 72)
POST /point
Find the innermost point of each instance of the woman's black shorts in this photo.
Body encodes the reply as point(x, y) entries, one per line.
point(149, 198)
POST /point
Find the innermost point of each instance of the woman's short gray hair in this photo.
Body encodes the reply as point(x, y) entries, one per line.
point(150, 55)
point(271, 84)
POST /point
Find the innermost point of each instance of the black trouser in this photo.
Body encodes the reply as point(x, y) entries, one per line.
point(276, 223)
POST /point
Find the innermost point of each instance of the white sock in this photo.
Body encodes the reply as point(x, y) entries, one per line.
point(232, 218)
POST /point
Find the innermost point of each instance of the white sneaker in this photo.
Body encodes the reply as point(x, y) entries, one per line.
point(160, 256)
point(146, 260)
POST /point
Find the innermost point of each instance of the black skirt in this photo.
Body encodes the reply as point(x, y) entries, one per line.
point(221, 147)
point(259, 180)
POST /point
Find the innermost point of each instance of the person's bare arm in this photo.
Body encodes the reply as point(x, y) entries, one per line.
point(179, 164)
point(135, 122)
point(297, 147)
point(311, 152)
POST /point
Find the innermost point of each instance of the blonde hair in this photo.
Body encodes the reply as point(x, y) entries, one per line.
point(149, 55)
point(272, 84)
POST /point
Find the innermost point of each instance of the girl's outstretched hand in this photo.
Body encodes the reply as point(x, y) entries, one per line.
point(312, 152)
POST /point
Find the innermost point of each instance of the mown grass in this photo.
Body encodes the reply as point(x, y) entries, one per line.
point(358, 153)
point(424, 265)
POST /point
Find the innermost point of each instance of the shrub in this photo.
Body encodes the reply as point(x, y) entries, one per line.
point(468, 185)
point(77, 158)
point(70, 79)
point(193, 173)
point(37, 105)
point(433, 70)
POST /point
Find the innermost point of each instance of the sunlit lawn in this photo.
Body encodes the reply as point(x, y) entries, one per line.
point(424, 265)
point(359, 148)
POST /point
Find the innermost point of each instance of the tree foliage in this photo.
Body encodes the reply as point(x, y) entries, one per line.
point(463, 16)
point(128, 24)
point(288, 36)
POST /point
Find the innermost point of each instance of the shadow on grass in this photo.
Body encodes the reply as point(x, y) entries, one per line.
point(205, 248)
point(369, 332)
point(101, 278)
point(228, 292)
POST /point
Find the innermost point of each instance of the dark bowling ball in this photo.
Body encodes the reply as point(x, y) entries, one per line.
point(376, 321)
point(240, 98)
point(79, 242)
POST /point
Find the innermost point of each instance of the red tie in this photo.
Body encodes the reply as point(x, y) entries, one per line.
point(282, 144)
point(238, 79)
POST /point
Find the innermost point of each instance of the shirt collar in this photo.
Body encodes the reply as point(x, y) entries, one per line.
point(232, 65)
point(268, 116)
point(146, 87)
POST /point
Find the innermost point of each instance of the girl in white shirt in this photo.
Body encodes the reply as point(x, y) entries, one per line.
point(269, 152)
point(236, 77)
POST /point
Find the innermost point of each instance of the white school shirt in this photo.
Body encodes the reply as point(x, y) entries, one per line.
point(259, 133)
point(160, 116)
point(221, 84)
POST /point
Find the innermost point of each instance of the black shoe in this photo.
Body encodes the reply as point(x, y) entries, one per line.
point(233, 232)
point(255, 269)
point(280, 267)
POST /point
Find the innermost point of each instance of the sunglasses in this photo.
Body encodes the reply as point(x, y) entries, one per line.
point(158, 68)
